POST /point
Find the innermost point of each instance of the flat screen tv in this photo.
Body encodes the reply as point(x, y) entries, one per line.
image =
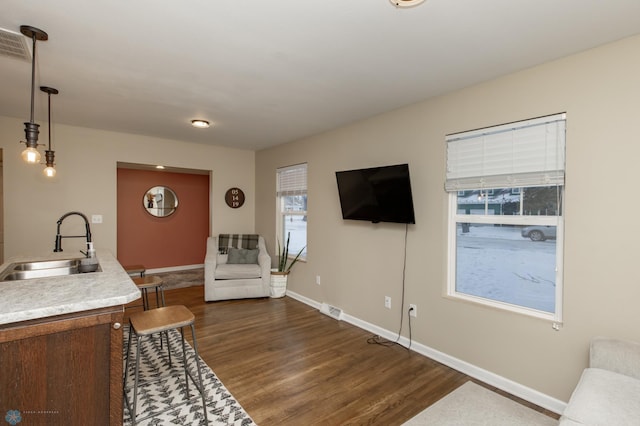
point(378, 194)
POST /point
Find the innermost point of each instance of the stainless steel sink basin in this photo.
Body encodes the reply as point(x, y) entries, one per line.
point(46, 264)
point(46, 268)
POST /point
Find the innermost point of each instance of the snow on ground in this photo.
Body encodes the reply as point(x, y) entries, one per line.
point(497, 263)
point(298, 237)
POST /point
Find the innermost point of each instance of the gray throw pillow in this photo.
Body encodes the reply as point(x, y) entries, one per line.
point(243, 256)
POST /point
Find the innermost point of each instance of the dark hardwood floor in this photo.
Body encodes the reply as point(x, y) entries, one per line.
point(288, 364)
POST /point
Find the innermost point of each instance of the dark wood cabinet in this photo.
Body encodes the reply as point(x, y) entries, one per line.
point(63, 370)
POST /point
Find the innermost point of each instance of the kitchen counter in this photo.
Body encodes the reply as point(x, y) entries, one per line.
point(35, 298)
point(61, 342)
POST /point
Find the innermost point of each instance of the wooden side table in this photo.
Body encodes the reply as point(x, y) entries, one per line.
point(144, 284)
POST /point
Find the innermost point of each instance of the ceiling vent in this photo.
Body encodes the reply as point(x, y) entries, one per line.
point(14, 45)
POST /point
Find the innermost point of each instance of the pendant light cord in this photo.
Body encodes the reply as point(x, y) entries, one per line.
point(49, 105)
point(33, 76)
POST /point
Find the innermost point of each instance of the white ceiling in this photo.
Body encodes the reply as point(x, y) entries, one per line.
point(270, 72)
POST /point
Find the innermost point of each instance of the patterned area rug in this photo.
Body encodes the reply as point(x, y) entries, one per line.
point(474, 405)
point(162, 398)
point(180, 279)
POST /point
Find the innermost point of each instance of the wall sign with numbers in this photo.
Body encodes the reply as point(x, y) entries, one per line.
point(234, 198)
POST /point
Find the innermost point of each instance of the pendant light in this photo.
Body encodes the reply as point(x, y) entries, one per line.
point(31, 154)
point(49, 155)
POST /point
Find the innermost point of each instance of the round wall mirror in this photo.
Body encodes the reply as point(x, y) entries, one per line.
point(160, 201)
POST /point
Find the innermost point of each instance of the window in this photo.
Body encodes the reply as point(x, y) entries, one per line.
point(505, 229)
point(291, 219)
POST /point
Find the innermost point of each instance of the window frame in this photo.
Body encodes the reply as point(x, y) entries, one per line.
point(518, 155)
point(455, 218)
point(298, 188)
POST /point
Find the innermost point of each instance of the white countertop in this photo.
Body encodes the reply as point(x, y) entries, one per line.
point(34, 298)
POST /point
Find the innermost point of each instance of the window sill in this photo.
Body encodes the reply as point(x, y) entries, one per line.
point(504, 307)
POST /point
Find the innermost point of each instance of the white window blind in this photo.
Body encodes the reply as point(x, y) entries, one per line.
point(292, 180)
point(520, 154)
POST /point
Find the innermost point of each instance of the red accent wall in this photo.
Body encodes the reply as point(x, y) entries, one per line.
point(159, 242)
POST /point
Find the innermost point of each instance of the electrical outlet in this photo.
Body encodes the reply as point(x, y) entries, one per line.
point(387, 302)
point(96, 218)
point(318, 279)
point(413, 310)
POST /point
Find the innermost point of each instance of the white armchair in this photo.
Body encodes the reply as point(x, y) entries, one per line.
point(236, 266)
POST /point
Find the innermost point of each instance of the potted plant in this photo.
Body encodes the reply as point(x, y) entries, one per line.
point(279, 275)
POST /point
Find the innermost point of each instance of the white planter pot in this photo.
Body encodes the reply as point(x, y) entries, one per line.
point(278, 284)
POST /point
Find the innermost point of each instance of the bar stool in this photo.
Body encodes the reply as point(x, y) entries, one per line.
point(161, 320)
point(135, 269)
point(144, 284)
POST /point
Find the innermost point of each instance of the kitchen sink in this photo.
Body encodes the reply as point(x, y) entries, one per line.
point(46, 264)
point(46, 268)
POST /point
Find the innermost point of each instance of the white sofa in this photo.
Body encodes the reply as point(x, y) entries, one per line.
point(236, 266)
point(608, 392)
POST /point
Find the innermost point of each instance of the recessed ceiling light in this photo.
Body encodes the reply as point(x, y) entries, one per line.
point(160, 167)
point(406, 3)
point(200, 124)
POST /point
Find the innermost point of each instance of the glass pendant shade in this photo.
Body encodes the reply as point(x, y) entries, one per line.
point(49, 171)
point(31, 155)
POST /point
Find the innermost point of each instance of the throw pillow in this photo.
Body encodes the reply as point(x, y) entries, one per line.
point(242, 256)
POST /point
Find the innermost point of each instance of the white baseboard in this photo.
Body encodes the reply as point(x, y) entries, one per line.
point(304, 299)
point(174, 268)
point(507, 385)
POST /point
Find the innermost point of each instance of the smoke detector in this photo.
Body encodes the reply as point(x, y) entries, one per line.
point(406, 3)
point(14, 45)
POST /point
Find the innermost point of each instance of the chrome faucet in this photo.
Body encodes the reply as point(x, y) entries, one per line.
point(59, 237)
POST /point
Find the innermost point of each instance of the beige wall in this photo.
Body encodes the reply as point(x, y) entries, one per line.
point(86, 181)
point(359, 263)
point(1, 212)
